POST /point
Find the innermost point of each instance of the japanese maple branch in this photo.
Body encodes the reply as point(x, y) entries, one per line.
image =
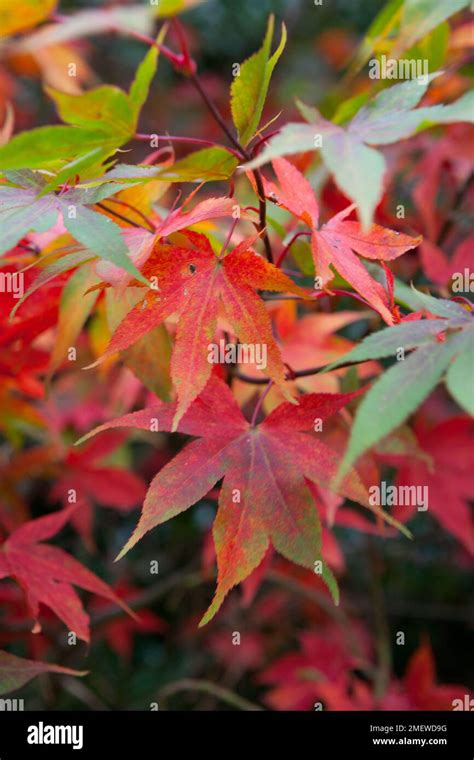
point(262, 204)
point(183, 63)
point(292, 375)
point(194, 78)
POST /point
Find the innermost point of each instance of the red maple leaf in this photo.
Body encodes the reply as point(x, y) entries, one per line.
point(140, 242)
point(422, 689)
point(20, 362)
point(200, 286)
point(324, 668)
point(444, 162)
point(441, 269)
point(47, 574)
point(323, 662)
point(449, 477)
point(333, 245)
point(16, 671)
point(92, 482)
point(264, 498)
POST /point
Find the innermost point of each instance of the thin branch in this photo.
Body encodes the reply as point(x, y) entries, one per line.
point(262, 204)
point(148, 596)
point(416, 609)
point(208, 687)
point(293, 375)
point(228, 238)
point(218, 116)
point(184, 63)
point(244, 154)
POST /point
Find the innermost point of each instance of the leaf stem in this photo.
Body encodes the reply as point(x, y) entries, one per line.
point(287, 247)
point(264, 138)
point(194, 78)
point(136, 210)
point(121, 216)
point(262, 205)
point(260, 401)
point(228, 238)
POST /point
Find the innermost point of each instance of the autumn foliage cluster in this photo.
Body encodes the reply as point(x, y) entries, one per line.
point(236, 363)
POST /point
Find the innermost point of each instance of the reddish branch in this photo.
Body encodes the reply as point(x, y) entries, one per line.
point(244, 154)
point(186, 65)
point(292, 374)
